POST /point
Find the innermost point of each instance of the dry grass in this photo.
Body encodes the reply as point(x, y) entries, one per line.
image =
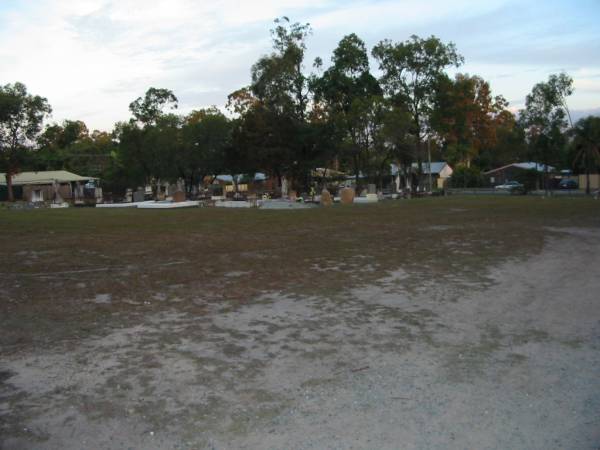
point(170, 329)
point(69, 273)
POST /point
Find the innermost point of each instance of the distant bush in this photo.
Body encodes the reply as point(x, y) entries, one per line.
point(466, 177)
point(528, 178)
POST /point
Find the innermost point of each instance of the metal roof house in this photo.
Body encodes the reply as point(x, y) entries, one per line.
point(510, 172)
point(440, 172)
point(52, 185)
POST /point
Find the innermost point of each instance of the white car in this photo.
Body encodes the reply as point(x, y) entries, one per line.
point(509, 186)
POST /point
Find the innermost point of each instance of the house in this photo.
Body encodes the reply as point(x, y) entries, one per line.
point(516, 172)
point(440, 172)
point(53, 185)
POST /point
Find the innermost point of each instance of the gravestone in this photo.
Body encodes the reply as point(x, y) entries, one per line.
point(129, 195)
point(347, 196)
point(139, 195)
point(372, 189)
point(171, 189)
point(284, 186)
point(179, 196)
point(326, 199)
point(292, 195)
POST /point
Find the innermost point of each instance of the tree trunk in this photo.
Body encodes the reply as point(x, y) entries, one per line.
point(587, 179)
point(9, 186)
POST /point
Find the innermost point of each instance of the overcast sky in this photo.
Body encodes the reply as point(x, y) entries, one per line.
point(91, 58)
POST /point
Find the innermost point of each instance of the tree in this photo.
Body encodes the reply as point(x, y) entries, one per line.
point(467, 117)
point(206, 135)
point(149, 153)
point(277, 79)
point(351, 97)
point(585, 146)
point(264, 140)
point(21, 118)
point(64, 147)
point(411, 71)
point(510, 145)
point(147, 110)
point(93, 155)
point(149, 142)
point(394, 142)
point(275, 118)
point(545, 119)
point(466, 177)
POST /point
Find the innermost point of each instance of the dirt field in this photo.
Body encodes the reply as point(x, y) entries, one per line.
point(423, 324)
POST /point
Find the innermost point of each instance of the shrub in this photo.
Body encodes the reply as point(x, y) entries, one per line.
point(466, 177)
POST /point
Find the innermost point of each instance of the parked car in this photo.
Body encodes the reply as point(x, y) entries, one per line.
point(568, 184)
point(509, 186)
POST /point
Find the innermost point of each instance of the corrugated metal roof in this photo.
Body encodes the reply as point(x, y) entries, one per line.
point(43, 177)
point(530, 165)
point(436, 167)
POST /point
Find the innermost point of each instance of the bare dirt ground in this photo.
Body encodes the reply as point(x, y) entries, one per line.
point(434, 324)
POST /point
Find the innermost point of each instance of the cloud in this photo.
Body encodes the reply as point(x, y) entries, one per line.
point(91, 58)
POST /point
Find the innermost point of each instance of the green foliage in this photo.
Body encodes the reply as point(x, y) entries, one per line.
point(510, 147)
point(277, 79)
point(148, 109)
point(467, 118)
point(274, 132)
point(411, 71)
point(21, 118)
point(466, 177)
point(584, 149)
point(352, 100)
point(205, 138)
point(70, 146)
point(530, 179)
point(545, 119)
point(148, 154)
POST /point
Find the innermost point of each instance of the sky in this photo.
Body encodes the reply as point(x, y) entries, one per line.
point(91, 58)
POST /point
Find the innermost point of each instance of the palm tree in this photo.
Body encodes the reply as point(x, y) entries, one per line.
point(586, 143)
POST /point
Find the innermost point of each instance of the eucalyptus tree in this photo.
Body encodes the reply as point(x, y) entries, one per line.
point(546, 119)
point(21, 119)
point(150, 140)
point(410, 73)
point(149, 108)
point(352, 100)
point(273, 128)
point(205, 138)
point(467, 117)
point(56, 145)
point(278, 79)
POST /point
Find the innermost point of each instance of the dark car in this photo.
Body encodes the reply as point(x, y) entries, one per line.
point(568, 184)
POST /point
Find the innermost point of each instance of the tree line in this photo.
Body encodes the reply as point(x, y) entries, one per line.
point(291, 119)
